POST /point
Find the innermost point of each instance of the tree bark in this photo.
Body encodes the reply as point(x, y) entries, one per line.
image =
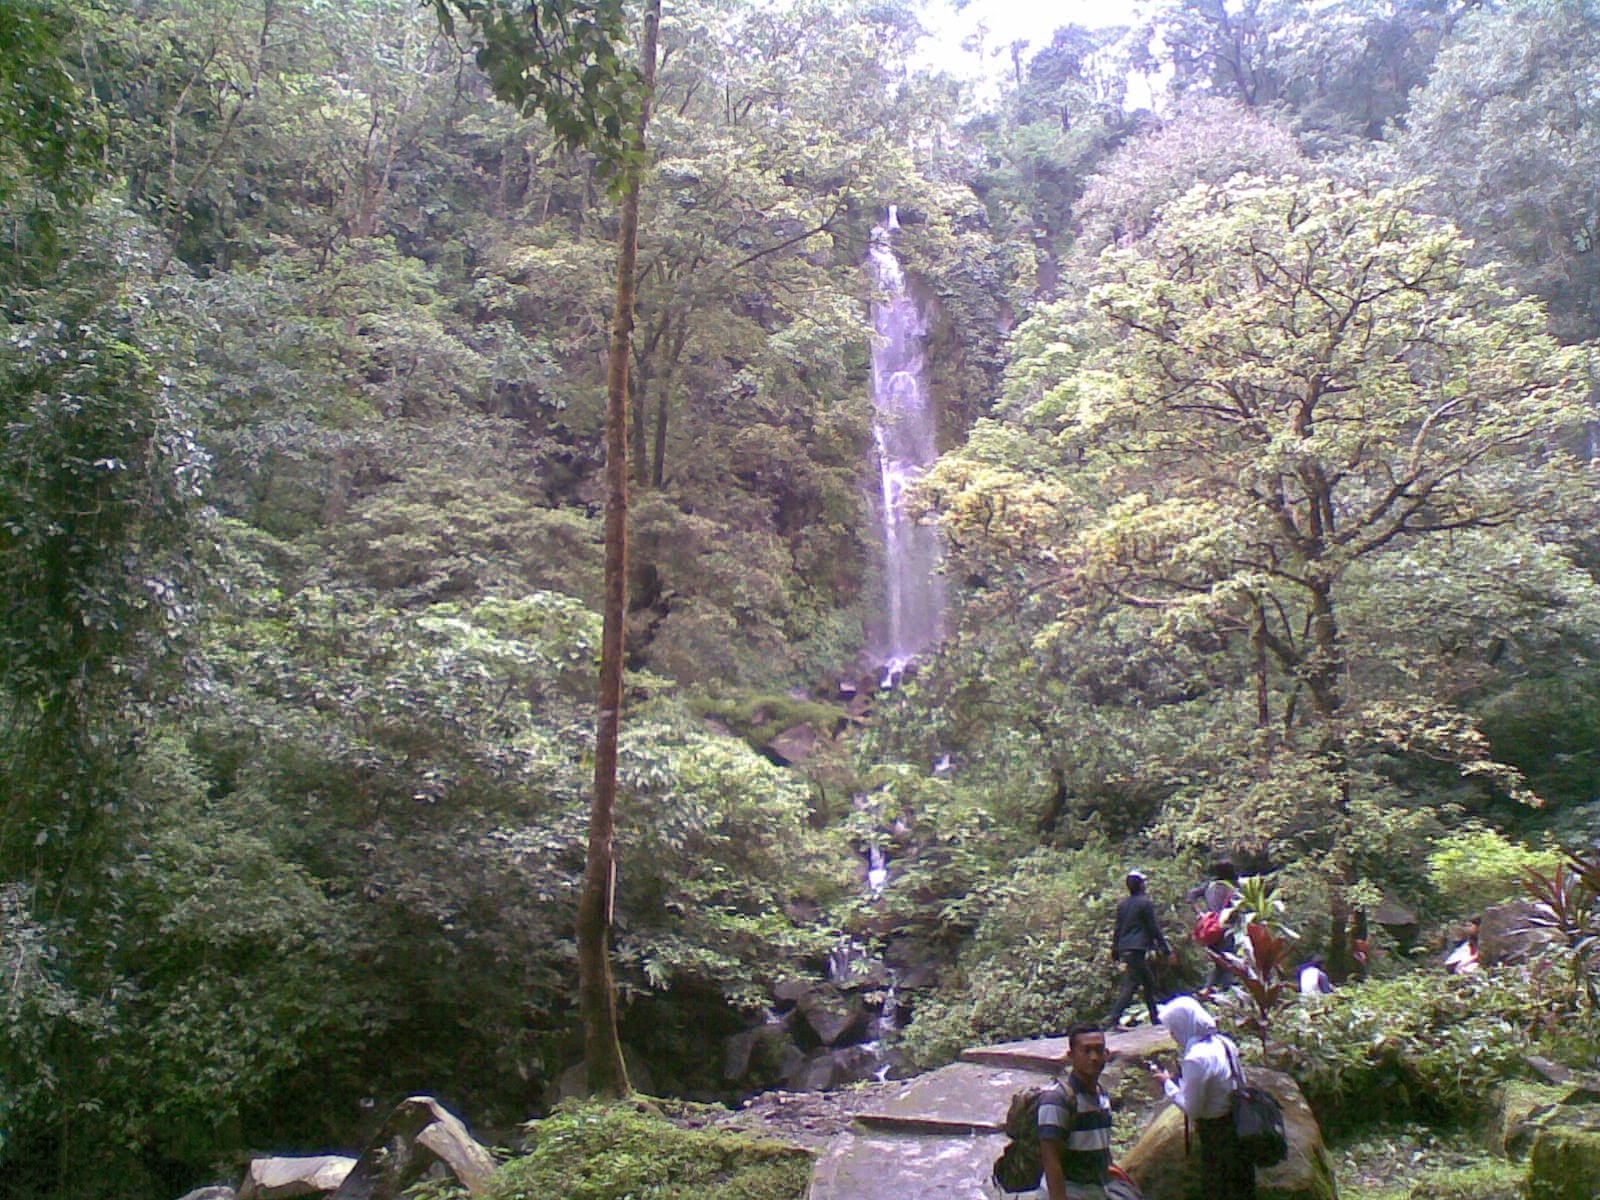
point(597, 994)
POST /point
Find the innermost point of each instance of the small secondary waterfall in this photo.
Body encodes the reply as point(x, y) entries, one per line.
point(904, 429)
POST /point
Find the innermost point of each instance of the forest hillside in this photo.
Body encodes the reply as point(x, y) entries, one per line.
point(1258, 473)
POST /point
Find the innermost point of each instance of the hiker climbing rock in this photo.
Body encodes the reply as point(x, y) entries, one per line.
point(1135, 934)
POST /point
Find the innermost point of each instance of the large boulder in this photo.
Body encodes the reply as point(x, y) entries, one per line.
point(1164, 1170)
point(794, 745)
point(283, 1177)
point(421, 1137)
point(1564, 1164)
point(762, 1056)
point(1515, 932)
point(833, 1016)
point(1524, 1108)
point(829, 1069)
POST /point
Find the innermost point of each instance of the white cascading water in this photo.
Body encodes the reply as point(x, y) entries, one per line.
point(904, 429)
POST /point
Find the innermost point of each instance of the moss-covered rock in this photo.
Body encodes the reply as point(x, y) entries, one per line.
point(1564, 1164)
point(605, 1152)
point(1523, 1109)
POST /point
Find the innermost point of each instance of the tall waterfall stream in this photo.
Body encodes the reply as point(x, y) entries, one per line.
point(904, 427)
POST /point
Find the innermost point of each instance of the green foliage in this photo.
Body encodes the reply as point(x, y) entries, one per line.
point(50, 136)
point(713, 840)
point(1207, 140)
point(1569, 900)
point(161, 1021)
point(1475, 866)
point(1338, 72)
point(947, 848)
point(38, 1006)
point(357, 820)
point(1196, 503)
point(1265, 974)
point(99, 478)
point(238, 956)
point(760, 717)
point(1039, 957)
point(560, 58)
point(593, 1152)
point(1425, 1045)
point(1503, 131)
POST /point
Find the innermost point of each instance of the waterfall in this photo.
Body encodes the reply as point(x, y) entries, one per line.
point(877, 871)
point(904, 431)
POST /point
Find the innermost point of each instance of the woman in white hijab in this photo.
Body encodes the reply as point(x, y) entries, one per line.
point(1204, 1089)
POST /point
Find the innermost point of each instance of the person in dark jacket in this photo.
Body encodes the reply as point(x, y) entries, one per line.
point(1136, 934)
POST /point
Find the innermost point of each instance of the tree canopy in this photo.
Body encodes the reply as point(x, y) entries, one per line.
point(1265, 419)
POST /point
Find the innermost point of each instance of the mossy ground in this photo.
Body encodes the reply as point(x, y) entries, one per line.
point(1412, 1162)
point(608, 1152)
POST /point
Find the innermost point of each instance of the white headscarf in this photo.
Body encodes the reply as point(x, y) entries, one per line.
point(1186, 1021)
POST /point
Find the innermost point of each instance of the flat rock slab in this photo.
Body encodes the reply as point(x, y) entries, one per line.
point(886, 1166)
point(938, 1137)
point(963, 1098)
point(1050, 1054)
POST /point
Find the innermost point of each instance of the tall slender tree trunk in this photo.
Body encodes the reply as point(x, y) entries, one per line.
point(658, 467)
point(597, 993)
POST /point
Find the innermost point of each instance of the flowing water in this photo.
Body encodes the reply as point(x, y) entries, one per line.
point(904, 427)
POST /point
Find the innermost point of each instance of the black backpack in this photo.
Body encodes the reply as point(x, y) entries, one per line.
point(1020, 1166)
point(1257, 1121)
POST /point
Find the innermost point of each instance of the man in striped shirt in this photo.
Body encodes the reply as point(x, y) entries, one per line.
point(1075, 1122)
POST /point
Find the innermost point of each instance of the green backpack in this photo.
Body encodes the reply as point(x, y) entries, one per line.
point(1020, 1166)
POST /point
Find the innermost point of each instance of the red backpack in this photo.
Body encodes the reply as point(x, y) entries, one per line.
point(1208, 929)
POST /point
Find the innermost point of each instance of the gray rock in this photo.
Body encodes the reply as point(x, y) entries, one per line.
point(881, 1165)
point(216, 1192)
point(829, 1069)
point(1523, 1110)
point(1515, 932)
point(962, 1098)
point(836, 1018)
point(574, 1081)
point(753, 1053)
point(1553, 1072)
point(420, 1134)
point(283, 1177)
point(789, 991)
point(794, 745)
point(937, 1136)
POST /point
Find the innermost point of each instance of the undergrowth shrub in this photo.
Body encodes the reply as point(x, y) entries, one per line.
point(1423, 1046)
point(593, 1151)
point(1475, 867)
point(1040, 958)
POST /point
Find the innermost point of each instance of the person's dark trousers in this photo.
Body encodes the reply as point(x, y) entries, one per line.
point(1224, 1175)
point(1137, 974)
point(1220, 977)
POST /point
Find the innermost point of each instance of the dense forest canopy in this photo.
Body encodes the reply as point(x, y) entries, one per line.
point(1265, 415)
